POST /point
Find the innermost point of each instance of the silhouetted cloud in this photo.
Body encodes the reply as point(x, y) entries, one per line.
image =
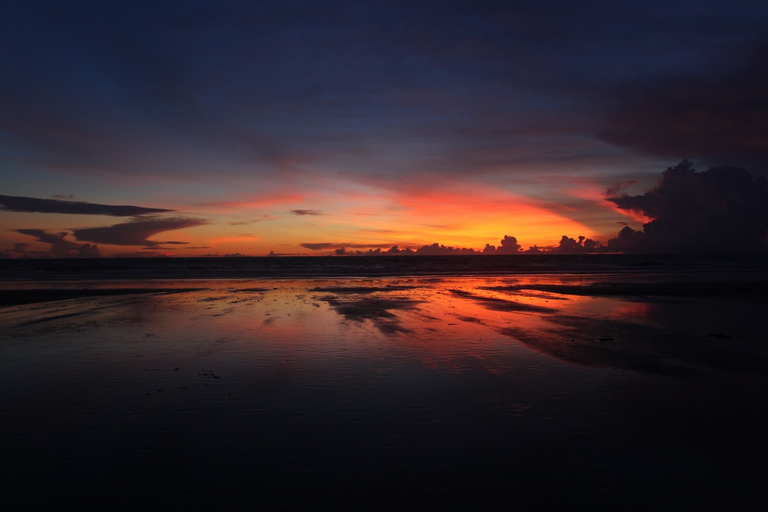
point(723, 209)
point(19, 250)
point(35, 205)
point(438, 250)
point(136, 232)
point(323, 246)
point(583, 245)
point(88, 251)
point(306, 212)
point(320, 246)
point(60, 246)
point(508, 245)
point(141, 254)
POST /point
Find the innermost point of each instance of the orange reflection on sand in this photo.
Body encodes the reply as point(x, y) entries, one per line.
point(300, 326)
point(451, 324)
point(632, 309)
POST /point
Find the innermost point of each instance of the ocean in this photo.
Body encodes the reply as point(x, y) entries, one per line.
point(289, 267)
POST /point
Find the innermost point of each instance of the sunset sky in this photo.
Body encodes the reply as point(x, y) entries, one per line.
point(192, 128)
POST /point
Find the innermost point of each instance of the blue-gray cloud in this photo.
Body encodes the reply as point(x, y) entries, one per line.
point(136, 232)
point(720, 118)
point(36, 205)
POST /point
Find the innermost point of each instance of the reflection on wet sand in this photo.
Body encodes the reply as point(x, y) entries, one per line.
point(629, 325)
point(355, 304)
point(536, 392)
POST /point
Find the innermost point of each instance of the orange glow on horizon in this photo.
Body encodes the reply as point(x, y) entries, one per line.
point(359, 216)
point(469, 216)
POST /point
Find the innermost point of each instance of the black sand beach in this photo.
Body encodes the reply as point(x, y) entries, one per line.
point(625, 390)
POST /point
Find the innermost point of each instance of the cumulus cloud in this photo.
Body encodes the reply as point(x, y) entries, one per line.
point(723, 209)
point(19, 250)
point(136, 232)
point(439, 250)
point(583, 245)
point(508, 245)
point(60, 246)
point(36, 205)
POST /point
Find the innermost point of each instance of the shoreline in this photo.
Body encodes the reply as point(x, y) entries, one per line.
point(648, 286)
point(373, 266)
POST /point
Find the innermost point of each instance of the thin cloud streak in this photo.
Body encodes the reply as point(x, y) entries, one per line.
point(35, 205)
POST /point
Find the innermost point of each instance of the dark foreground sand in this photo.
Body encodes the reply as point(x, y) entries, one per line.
point(538, 393)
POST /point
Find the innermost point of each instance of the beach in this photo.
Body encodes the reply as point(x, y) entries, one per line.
point(604, 390)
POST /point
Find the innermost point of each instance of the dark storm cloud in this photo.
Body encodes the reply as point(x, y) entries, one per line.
point(306, 212)
point(60, 246)
point(721, 118)
point(135, 232)
point(35, 205)
point(723, 209)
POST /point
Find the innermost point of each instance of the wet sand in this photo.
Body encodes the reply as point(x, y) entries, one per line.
point(538, 392)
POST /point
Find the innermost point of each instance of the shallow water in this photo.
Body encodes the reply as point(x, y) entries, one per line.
point(533, 391)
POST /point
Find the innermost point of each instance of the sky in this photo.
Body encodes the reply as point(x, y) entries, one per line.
point(294, 127)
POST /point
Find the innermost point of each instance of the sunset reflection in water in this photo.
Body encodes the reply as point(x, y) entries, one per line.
point(433, 389)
